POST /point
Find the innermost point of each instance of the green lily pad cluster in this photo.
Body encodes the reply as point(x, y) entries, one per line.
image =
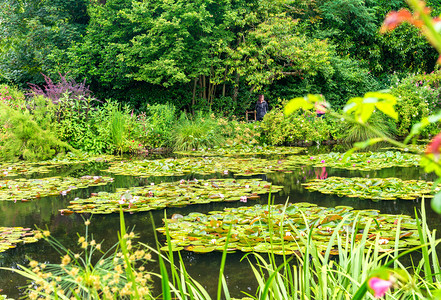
point(243, 150)
point(11, 236)
point(359, 161)
point(172, 194)
point(44, 167)
point(264, 228)
point(373, 188)
point(70, 158)
point(197, 165)
point(18, 169)
point(25, 189)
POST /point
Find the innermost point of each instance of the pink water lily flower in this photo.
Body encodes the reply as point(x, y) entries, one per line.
point(379, 286)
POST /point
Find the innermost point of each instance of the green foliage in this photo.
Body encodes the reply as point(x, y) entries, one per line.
point(356, 132)
point(278, 129)
point(31, 30)
point(199, 131)
point(418, 97)
point(91, 273)
point(117, 129)
point(345, 79)
point(24, 138)
point(154, 127)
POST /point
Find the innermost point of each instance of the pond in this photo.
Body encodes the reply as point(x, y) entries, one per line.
point(44, 213)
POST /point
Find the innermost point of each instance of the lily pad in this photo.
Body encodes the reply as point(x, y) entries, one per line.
point(273, 228)
point(43, 167)
point(358, 161)
point(11, 236)
point(173, 194)
point(242, 150)
point(196, 165)
point(373, 188)
point(25, 189)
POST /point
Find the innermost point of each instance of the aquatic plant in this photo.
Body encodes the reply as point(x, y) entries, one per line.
point(316, 274)
point(25, 189)
point(283, 229)
point(24, 168)
point(11, 236)
point(172, 194)
point(90, 272)
point(242, 150)
point(373, 188)
point(196, 165)
point(363, 161)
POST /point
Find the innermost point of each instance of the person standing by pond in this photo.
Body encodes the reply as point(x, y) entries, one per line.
point(261, 108)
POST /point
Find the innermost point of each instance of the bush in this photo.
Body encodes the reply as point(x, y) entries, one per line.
point(279, 129)
point(238, 133)
point(418, 97)
point(154, 128)
point(22, 137)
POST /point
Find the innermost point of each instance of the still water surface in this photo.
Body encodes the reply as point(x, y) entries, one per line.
point(44, 213)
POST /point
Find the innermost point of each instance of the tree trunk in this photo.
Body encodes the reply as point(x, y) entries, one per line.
point(225, 79)
point(236, 87)
point(193, 100)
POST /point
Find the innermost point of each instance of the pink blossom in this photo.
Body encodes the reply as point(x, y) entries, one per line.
point(323, 161)
point(379, 286)
point(311, 158)
point(243, 199)
point(368, 161)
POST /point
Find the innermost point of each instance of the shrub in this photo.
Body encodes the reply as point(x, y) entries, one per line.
point(153, 128)
point(67, 96)
point(279, 129)
point(239, 133)
point(107, 129)
point(418, 97)
point(22, 137)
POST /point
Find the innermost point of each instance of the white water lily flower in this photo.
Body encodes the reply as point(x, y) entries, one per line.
point(383, 241)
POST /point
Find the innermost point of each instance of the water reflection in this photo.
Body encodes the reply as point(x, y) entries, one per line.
point(44, 213)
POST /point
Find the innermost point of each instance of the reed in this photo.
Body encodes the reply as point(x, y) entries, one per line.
point(313, 273)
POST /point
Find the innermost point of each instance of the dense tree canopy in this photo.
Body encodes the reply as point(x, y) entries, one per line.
point(206, 53)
